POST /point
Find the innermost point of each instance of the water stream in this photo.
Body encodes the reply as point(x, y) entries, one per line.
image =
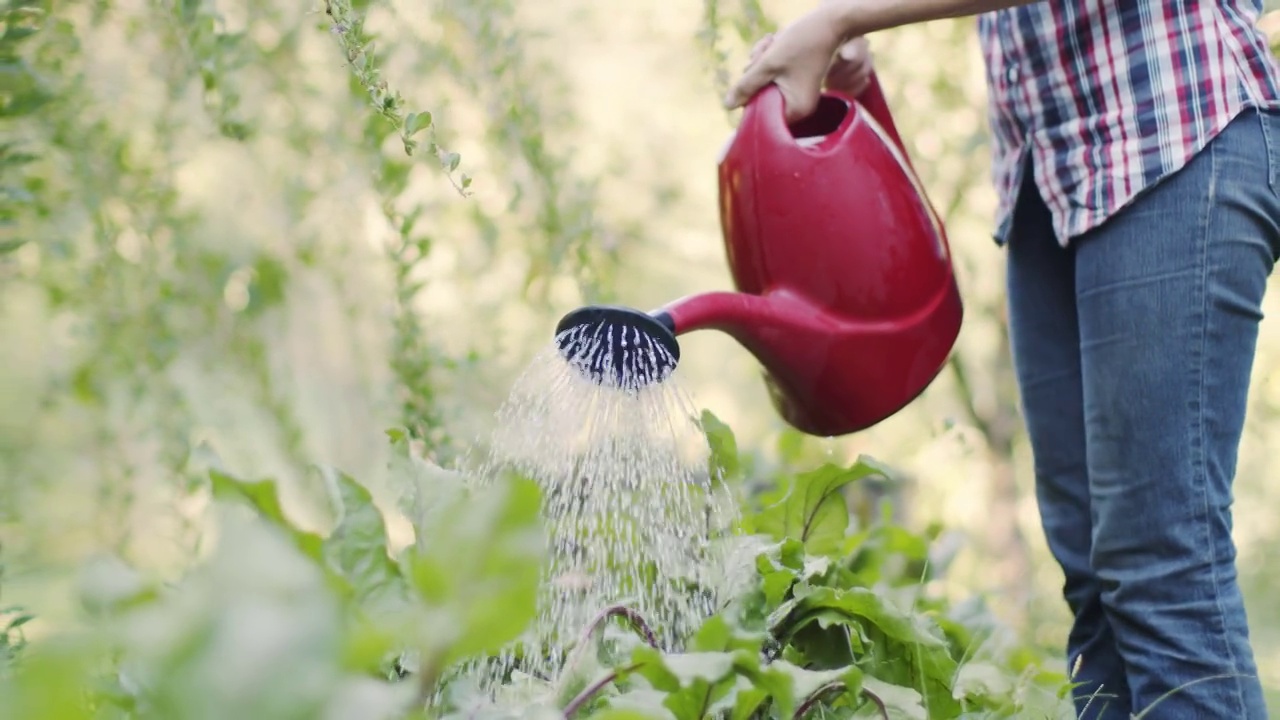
point(629, 504)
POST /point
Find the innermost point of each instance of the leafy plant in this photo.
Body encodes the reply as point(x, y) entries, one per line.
point(834, 624)
point(282, 621)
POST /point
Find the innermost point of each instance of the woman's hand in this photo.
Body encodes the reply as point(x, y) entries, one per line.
point(850, 72)
point(799, 58)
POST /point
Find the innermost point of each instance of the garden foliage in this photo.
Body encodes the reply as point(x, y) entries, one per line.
point(281, 621)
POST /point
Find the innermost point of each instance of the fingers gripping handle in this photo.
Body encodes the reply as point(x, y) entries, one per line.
point(769, 108)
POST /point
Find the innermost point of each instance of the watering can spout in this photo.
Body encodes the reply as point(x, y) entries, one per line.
point(745, 317)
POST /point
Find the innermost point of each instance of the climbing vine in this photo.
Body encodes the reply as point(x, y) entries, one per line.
point(347, 25)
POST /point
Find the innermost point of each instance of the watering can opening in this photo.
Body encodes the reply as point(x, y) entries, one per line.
point(822, 123)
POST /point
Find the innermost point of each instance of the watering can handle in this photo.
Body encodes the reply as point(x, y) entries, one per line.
point(872, 98)
point(767, 107)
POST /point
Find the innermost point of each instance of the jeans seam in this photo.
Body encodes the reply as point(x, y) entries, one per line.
point(1201, 465)
point(1273, 173)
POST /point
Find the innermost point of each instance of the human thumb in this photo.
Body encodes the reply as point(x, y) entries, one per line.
point(751, 82)
point(798, 103)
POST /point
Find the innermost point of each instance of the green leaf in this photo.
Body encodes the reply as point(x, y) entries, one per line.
point(718, 635)
point(976, 680)
point(725, 465)
point(416, 122)
point(8, 246)
point(52, 682)
point(107, 585)
point(813, 508)
point(479, 569)
point(644, 700)
point(451, 161)
point(625, 713)
point(263, 496)
point(267, 289)
point(780, 567)
point(220, 637)
point(903, 703)
point(895, 644)
point(426, 490)
point(861, 605)
point(790, 685)
point(693, 681)
point(791, 445)
point(357, 547)
point(19, 620)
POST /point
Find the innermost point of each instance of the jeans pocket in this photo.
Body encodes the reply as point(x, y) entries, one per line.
point(1270, 119)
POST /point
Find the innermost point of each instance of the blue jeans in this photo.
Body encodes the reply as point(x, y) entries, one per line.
point(1133, 350)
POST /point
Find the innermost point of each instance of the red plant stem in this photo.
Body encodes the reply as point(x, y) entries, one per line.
point(813, 699)
point(595, 687)
point(631, 616)
point(884, 711)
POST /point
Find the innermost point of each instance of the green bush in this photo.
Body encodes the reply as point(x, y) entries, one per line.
point(280, 622)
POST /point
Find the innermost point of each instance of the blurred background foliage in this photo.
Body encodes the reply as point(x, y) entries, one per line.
point(254, 234)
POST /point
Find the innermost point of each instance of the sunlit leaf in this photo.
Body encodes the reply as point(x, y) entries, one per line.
point(693, 682)
point(903, 703)
point(357, 547)
point(862, 605)
point(813, 509)
point(481, 566)
point(790, 685)
point(263, 496)
point(724, 448)
point(626, 712)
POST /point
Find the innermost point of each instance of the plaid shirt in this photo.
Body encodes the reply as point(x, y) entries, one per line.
point(1110, 96)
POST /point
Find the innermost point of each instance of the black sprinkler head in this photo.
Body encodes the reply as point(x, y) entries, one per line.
point(619, 345)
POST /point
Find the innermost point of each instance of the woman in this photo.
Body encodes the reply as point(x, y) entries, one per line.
point(1137, 159)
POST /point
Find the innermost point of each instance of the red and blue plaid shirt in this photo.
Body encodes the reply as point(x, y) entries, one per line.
point(1110, 96)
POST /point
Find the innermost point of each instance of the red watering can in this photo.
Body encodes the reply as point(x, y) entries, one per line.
point(846, 293)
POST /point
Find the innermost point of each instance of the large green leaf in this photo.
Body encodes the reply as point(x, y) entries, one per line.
point(426, 489)
point(693, 682)
point(813, 508)
point(865, 606)
point(789, 685)
point(478, 570)
point(256, 631)
point(615, 713)
point(902, 703)
point(357, 547)
point(783, 564)
point(724, 461)
point(51, 682)
point(264, 497)
point(892, 644)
